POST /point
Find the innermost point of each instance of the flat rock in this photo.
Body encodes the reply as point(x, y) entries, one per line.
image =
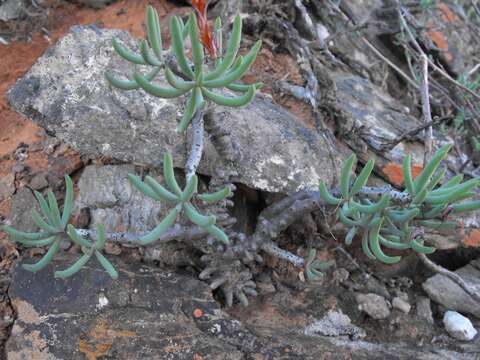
point(11, 9)
point(444, 291)
point(152, 314)
point(145, 314)
point(7, 186)
point(66, 93)
point(374, 305)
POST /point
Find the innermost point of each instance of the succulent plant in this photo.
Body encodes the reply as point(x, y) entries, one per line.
point(393, 224)
point(196, 81)
point(314, 268)
point(53, 228)
point(52, 224)
point(181, 199)
point(88, 248)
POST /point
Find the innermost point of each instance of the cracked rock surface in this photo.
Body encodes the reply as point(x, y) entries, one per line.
point(152, 314)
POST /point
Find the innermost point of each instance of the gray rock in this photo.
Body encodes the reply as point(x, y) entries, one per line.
point(39, 181)
point(7, 186)
point(424, 309)
point(458, 326)
point(11, 9)
point(114, 202)
point(374, 305)
point(22, 203)
point(447, 293)
point(65, 92)
point(143, 315)
point(335, 323)
point(400, 304)
point(151, 314)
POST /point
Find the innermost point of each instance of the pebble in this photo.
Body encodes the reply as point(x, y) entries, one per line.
point(400, 304)
point(458, 326)
point(424, 309)
point(374, 305)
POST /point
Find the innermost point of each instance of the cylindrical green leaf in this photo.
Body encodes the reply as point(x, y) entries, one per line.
point(169, 174)
point(45, 260)
point(236, 74)
point(178, 47)
point(366, 247)
point(439, 225)
point(144, 188)
point(156, 90)
point(416, 246)
point(37, 243)
point(190, 189)
point(68, 203)
point(17, 235)
point(218, 234)
point(149, 58)
point(218, 39)
point(346, 175)
point(216, 196)
point(239, 101)
point(375, 245)
point(403, 215)
point(188, 114)
point(107, 265)
point(197, 218)
point(197, 47)
point(393, 244)
point(76, 267)
point(77, 239)
point(231, 53)
point(422, 179)
point(326, 196)
point(154, 32)
point(439, 175)
point(161, 191)
point(127, 55)
point(100, 243)
point(176, 82)
point(37, 219)
point(407, 174)
point(362, 178)
point(466, 206)
point(374, 208)
point(161, 228)
point(52, 202)
point(130, 84)
point(44, 207)
point(346, 220)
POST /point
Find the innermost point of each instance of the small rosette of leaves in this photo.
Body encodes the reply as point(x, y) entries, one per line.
point(314, 267)
point(194, 80)
point(389, 224)
point(52, 224)
point(181, 200)
point(89, 249)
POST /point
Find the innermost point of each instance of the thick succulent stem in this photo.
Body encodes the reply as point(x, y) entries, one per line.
point(180, 233)
point(273, 250)
point(196, 144)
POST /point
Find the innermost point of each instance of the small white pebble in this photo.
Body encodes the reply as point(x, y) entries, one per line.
point(102, 302)
point(400, 304)
point(458, 326)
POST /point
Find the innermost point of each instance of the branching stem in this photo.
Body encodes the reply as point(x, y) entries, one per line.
point(196, 146)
